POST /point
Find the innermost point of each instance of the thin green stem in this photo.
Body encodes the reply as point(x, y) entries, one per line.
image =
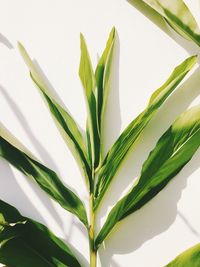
point(93, 251)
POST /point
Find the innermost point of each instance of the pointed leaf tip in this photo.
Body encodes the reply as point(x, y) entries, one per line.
point(113, 32)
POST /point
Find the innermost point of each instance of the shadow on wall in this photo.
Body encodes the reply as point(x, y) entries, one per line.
point(189, 225)
point(11, 192)
point(5, 41)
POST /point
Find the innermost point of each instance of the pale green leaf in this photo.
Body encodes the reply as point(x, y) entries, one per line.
point(87, 77)
point(27, 243)
point(128, 137)
point(177, 14)
point(47, 179)
point(102, 75)
point(172, 152)
point(65, 123)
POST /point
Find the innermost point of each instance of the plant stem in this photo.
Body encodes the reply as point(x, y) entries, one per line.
point(93, 252)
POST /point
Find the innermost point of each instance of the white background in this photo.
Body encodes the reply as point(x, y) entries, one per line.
point(146, 52)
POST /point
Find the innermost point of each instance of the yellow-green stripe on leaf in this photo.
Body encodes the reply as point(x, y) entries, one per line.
point(87, 77)
point(102, 75)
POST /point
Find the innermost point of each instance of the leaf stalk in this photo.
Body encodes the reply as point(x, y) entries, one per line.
point(93, 251)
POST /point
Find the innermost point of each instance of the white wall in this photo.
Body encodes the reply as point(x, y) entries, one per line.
point(144, 57)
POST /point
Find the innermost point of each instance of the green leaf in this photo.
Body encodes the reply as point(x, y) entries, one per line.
point(128, 137)
point(27, 243)
point(89, 84)
point(189, 258)
point(172, 152)
point(102, 75)
point(65, 123)
point(179, 17)
point(14, 153)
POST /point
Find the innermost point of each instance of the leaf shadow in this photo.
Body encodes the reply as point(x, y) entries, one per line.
point(159, 21)
point(12, 193)
point(188, 224)
point(5, 41)
point(160, 212)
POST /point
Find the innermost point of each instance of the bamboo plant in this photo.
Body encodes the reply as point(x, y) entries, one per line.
point(27, 243)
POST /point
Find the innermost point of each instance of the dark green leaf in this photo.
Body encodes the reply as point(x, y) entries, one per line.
point(179, 17)
point(123, 144)
point(172, 152)
point(27, 243)
point(89, 84)
point(64, 121)
point(189, 258)
point(14, 153)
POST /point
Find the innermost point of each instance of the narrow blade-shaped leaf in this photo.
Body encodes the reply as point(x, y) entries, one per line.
point(123, 144)
point(189, 258)
point(65, 123)
point(87, 77)
point(102, 75)
point(47, 179)
point(179, 17)
point(172, 152)
point(27, 243)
